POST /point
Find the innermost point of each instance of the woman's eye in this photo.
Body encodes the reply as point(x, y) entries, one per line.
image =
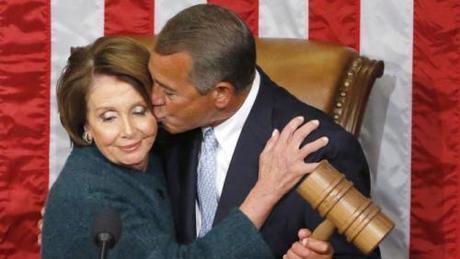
point(139, 110)
point(108, 116)
point(107, 119)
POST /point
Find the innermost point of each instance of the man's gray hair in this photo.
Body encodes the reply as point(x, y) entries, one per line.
point(220, 44)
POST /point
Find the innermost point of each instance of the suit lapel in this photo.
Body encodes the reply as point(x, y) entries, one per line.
point(188, 202)
point(180, 158)
point(243, 170)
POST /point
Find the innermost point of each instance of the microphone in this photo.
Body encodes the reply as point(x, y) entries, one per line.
point(106, 230)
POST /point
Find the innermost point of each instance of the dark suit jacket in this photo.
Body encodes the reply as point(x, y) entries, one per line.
point(273, 108)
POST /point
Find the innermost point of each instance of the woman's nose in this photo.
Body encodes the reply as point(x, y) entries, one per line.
point(127, 128)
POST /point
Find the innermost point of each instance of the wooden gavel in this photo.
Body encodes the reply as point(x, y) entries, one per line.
point(345, 208)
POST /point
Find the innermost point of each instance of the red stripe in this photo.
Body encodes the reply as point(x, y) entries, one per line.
point(248, 10)
point(335, 21)
point(128, 17)
point(24, 124)
point(435, 230)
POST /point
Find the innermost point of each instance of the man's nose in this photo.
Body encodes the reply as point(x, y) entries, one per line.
point(157, 97)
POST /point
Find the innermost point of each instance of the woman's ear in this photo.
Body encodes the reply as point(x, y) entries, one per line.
point(222, 94)
point(86, 127)
point(87, 137)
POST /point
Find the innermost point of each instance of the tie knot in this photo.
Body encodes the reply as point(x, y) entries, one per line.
point(208, 137)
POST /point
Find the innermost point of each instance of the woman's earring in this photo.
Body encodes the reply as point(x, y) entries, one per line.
point(87, 138)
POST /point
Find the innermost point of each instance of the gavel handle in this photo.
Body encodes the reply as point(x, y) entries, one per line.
point(323, 231)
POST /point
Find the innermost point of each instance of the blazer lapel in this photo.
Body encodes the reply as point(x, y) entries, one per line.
point(243, 170)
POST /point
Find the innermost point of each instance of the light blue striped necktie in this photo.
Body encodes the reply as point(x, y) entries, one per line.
point(207, 192)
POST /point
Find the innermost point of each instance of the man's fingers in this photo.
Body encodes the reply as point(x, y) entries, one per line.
point(291, 255)
point(40, 226)
point(309, 248)
point(297, 251)
point(318, 246)
point(300, 250)
point(303, 233)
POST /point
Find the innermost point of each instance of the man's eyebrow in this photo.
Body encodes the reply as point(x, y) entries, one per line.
point(162, 85)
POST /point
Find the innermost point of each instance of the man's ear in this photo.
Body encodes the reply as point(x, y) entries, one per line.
point(222, 94)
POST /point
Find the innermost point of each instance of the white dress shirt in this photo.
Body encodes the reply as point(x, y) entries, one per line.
point(227, 134)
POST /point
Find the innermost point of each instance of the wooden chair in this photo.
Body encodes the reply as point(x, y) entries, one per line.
point(331, 77)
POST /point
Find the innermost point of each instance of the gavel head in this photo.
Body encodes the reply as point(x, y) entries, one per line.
point(354, 215)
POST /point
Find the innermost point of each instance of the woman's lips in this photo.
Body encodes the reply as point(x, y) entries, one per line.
point(130, 147)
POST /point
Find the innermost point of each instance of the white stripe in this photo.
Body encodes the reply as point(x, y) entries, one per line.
point(283, 19)
point(165, 9)
point(386, 33)
point(75, 24)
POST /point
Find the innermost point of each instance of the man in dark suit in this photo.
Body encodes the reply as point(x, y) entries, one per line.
point(205, 76)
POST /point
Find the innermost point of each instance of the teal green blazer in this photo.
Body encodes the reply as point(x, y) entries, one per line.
point(89, 182)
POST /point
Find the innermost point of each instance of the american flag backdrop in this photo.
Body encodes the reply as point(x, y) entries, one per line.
point(411, 131)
